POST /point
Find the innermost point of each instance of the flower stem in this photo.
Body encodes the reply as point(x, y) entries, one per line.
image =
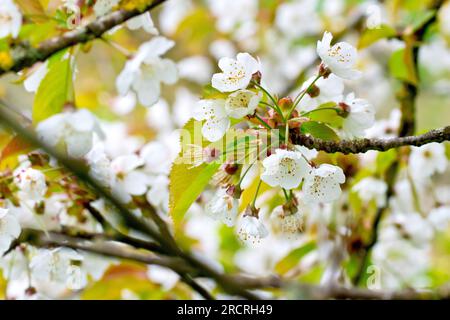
point(263, 122)
point(302, 94)
point(317, 110)
point(256, 193)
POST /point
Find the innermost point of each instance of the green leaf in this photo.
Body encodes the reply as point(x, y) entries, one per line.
point(402, 67)
point(55, 88)
point(319, 130)
point(294, 257)
point(32, 9)
point(370, 36)
point(417, 19)
point(186, 185)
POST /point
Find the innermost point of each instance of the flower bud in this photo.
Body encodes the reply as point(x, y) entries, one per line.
point(313, 91)
point(285, 103)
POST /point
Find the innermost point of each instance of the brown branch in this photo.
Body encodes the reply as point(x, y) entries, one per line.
point(105, 248)
point(24, 55)
point(338, 292)
point(364, 145)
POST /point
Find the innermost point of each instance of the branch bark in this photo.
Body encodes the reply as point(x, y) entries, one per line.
point(24, 55)
point(339, 292)
point(364, 145)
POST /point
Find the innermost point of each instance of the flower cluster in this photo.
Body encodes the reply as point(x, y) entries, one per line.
point(242, 97)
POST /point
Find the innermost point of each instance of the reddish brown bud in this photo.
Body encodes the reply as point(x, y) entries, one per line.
point(231, 168)
point(324, 71)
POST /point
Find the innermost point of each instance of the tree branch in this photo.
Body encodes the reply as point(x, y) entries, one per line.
point(364, 145)
point(24, 55)
point(108, 249)
point(338, 292)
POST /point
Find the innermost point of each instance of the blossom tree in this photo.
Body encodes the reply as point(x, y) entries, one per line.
point(183, 149)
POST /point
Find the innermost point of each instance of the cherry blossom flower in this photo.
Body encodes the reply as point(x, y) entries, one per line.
point(236, 74)
point(369, 189)
point(287, 223)
point(251, 229)
point(427, 160)
point(143, 21)
point(75, 130)
point(340, 58)
point(10, 19)
point(59, 267)
point(215, 116)
point(285, 169)
point(31, 183)
point(360, 115)
point(128, 181)
point(322, 184)
point(9, 229)
point(223, 207)
point(242, 103)
point(145, 72)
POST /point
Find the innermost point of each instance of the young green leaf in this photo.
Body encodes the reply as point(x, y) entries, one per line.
point(319, 130)
point(55, 88)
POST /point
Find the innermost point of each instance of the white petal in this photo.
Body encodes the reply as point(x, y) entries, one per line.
point(136, 183)
point(214, 129)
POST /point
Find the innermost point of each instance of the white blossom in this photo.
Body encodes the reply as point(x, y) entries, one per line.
point(370, 188)
point(59, 267)
point(236, 74)
point(31, 183)
point(143, 21)
point(286, 222)
point(75, 130)
point(128, 180)
point(340, 58)
point(322, 184)
point(9, 229)
point(145, 72)
point(427, 160)
point(216, 121)
point(360, 117)
point(242, 103)
point(285, 169)
point(223, 207)
point(251, 229)
point(10, 19)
